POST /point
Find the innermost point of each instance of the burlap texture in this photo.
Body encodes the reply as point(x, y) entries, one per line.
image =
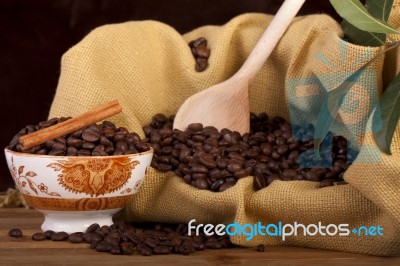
point(149, 68)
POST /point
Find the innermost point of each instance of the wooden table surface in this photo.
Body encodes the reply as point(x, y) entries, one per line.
point(17, 251)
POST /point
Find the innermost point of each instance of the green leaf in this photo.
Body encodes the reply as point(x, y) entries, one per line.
point(390, 114)
point(330, 107)
point(356, 36)
point(379, 8)
point(356, 14)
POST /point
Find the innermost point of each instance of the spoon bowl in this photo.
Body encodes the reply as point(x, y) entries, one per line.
point(226, 105)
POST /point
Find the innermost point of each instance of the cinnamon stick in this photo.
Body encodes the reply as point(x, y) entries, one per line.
point(95, 115)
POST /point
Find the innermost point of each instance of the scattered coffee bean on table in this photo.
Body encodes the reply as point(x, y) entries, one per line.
point(215, 160)
point(15, 232)
point(261, 248)
point(39, 236)
point(103, 139)
point(146, 239)
point(200, 52)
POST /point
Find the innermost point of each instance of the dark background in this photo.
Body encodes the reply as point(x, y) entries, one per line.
point(35, 34)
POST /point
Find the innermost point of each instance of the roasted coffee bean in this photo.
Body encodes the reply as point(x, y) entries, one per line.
point(104, 246)
point(201, 183)
point(39, 236)
point(116, 251)
point(288, 174)
point(326, 183)
point(15, 232)
point(48, 234)
point(225, 186)
point(259, 182)
point(76, 238)
point(92, 228)
point(234, 167)
point(144, 250)
point(213, 244)
point(59, 236)
point(161, 250)
point(127, 248)
point(88, 141)
point(261, 248)
point(90, 135)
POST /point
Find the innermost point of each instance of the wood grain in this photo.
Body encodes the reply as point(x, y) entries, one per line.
point(23, 251)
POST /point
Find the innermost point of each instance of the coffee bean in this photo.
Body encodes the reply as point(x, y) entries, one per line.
point(201, 183)
point(104, 246)
point(261, 248)
point(213, 244)
point(127, 248)
point(15, 232)
point(92, 228)
point(326, 183)
point(59, 236)
point(48, 234)
point(234, 167)
point(225, 186)
point(288, 174)
point(39, 236)
point(161, 250)
point(259, 182)
point(144, 250)
point(90, 135)
point(76, 238)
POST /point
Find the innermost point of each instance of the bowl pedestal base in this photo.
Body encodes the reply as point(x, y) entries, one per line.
point(75, 221)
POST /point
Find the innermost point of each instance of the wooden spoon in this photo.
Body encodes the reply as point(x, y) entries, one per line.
point(226, 105)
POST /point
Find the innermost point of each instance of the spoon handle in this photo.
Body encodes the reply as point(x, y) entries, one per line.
point(270, 38)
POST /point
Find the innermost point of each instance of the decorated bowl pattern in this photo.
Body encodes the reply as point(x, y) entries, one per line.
point(63, 183)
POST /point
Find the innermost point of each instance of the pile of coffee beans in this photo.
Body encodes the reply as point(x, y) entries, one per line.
point(201, 53)
point(95, 140)
point(215, 160)
point(122, 238)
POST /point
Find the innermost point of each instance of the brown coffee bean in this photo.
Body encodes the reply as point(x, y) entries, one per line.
point(225, 186)
point(84, 152)
point(144, 250)
point(201, 64)
point(56, 152)
point(48, 234)
point(162, 250)
point(104, 246)
point(195, 127)
point(93, 227)
point(127, 248)
point(261, 248)
point(76, 238)
point(201, 183)
point(243, 173)
point(234, 167)
point(15, 232)
point(326, 183)
point(288, 174)
point(259, 182)
point(39, 236)
point(90, 135)
point(151, 242)
point(213, 244)
point(59, 236)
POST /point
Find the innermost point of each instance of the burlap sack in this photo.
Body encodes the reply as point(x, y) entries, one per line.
point(149, 68)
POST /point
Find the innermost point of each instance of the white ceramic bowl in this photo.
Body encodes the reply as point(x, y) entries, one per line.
point(75, 192)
